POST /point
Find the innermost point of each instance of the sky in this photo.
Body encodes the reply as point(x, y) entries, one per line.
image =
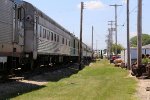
point(96, 13)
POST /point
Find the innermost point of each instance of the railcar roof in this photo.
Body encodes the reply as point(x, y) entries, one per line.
point(52, 21)
point(48, 18)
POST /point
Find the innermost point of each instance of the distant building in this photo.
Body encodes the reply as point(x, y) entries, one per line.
point(133, 53)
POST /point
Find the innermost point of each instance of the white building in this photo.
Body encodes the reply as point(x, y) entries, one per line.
point(133, 53)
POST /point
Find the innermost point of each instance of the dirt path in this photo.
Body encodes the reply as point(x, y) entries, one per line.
point(142, 84)
point(142, 93)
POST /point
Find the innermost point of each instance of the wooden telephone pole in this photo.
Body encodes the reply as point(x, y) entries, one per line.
point(139, 33)
point(80, 49)
point(128, 38)
point(92, 41)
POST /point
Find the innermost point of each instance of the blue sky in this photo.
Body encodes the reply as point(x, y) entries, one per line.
point(96, 13)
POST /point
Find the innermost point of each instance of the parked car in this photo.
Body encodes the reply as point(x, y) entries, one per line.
point(113, 57)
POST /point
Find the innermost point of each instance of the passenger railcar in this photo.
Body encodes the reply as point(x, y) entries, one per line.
point(11, 35)
point(29, 38)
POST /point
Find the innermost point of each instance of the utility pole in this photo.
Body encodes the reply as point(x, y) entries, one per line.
point(111, 24)
point(139, 35)
point(97, 51)
point(128, 37)
point(92, 40)
point(115, 5)
point(96, 46)
point(80, 49)
point(109, 41)
point(111, 29)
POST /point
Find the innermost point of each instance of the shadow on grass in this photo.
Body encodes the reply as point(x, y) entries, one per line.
point(13, 89)
point(37, 81)
point(57, 74)
point(65, 73)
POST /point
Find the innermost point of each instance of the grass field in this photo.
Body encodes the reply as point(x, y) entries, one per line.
point(100, 81)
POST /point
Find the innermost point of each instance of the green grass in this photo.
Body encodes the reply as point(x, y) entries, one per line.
point(101, 81)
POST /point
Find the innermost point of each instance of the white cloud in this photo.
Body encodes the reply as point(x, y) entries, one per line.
point(92, 5)
point(124, 1)
point(132, 34)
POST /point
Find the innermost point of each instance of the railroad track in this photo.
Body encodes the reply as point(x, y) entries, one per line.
point(26, 75)
point(34, 80)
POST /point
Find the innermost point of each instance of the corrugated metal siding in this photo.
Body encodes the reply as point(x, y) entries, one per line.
point(6, 21)
point(47, 47)
point(51, 47)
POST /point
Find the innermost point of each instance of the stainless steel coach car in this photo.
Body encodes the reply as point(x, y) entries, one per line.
point(11, 34)
point(28, 38)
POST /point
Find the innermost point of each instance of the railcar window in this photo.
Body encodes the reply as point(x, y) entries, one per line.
point(44, 33)
point(19, 14)
point(69, 43)
point(63, 41)
point(66, 41)
point(55, 37)
point(74, 43)
point(40, 31)
point(51, 36)
point(74, 52)
point(48, 35)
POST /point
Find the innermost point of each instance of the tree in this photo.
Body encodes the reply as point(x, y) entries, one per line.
point(145, 40)
point(119, 48)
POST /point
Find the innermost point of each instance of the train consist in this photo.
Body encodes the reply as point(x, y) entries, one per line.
point(29, 38)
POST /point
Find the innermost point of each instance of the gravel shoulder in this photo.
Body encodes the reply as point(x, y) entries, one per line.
point(142, 93)
point(142, 85)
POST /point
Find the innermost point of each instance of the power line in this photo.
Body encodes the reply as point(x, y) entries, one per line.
point(133, 9)
point(121, 11)
point(130, 14)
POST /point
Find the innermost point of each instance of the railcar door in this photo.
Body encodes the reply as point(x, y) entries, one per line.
point(18, 35)
point(35, 36)
point(19, 23)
